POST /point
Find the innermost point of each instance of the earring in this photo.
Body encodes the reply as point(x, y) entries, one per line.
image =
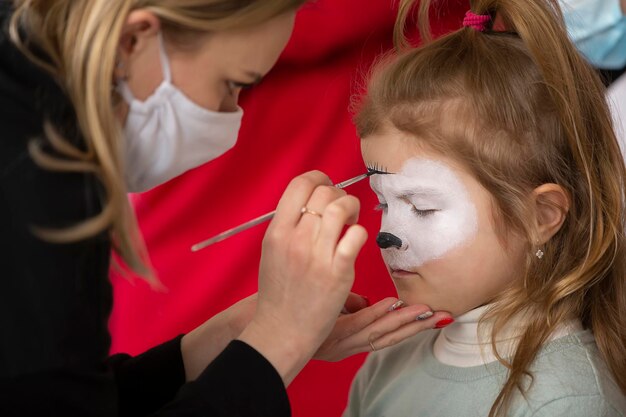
point(539, 254)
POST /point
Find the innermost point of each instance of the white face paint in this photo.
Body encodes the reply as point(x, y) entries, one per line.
point(427, 206)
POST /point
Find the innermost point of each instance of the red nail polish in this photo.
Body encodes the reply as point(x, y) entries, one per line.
point(367, 301)
point(444, 322)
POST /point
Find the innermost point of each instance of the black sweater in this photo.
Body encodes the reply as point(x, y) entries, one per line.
point(55, 299)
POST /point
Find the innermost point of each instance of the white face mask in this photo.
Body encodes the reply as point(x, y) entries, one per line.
point(168, 134)
point(427, 212)
point(598, 28)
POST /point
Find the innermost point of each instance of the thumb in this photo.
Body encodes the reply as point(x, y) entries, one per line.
point(355, 302)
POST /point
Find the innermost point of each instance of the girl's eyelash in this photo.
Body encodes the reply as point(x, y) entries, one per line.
point(418, 212)
point(423, 213)
point(376, 169)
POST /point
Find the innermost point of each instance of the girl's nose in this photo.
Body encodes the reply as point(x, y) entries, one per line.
point(386, 240)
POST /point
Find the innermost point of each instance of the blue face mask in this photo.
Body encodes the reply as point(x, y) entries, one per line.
point(598, 28)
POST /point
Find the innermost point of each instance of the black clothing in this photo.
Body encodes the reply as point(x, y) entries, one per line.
point(610, 76)
point(55, 299)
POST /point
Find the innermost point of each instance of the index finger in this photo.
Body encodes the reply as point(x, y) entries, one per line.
point(366, 316)
point(296, 196)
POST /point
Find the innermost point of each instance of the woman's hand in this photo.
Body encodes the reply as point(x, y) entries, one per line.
point(362, 328)
point(382, 325)
point(306, 272)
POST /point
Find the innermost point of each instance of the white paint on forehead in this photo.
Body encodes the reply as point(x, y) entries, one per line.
point(424, 184)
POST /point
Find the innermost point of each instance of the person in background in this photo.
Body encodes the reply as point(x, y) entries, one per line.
point(598, 29)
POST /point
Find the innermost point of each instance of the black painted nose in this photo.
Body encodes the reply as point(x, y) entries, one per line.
point(386, 240)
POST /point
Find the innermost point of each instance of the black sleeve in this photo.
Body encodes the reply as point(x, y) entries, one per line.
point(147, 382)
point(240, 382)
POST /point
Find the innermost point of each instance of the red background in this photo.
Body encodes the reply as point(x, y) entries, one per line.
point(297, 120)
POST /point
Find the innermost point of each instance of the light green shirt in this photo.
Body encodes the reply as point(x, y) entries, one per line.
point(406, 380)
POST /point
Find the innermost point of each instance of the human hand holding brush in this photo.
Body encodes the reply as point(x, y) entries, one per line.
point(306, 272)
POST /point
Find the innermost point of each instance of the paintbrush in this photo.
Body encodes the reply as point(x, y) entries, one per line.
point(266, 217)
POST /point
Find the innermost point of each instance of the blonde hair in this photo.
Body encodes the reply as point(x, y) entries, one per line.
point(80, 42)
point(521, 108)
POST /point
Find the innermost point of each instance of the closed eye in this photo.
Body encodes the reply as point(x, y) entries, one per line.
point(423, 213)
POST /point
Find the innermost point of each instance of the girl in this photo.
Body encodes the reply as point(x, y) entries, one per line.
point(503, 204)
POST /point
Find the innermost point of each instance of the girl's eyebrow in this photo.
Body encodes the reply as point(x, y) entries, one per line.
point(419, 191)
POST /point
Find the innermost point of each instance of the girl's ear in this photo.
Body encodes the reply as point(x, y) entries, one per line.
point(551, 206)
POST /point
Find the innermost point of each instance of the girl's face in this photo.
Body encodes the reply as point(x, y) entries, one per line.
point(438, 234)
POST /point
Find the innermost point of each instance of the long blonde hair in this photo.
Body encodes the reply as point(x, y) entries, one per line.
point(520, 108)
point(80, 42)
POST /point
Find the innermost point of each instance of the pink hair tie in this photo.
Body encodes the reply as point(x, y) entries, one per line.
point(476, 21)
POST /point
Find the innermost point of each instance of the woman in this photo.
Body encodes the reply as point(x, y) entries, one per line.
point(100, 97)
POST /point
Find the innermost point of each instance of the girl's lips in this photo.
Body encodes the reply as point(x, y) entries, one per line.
point(401, 273)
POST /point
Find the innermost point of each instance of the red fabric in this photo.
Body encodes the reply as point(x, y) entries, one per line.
point(295, 121)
